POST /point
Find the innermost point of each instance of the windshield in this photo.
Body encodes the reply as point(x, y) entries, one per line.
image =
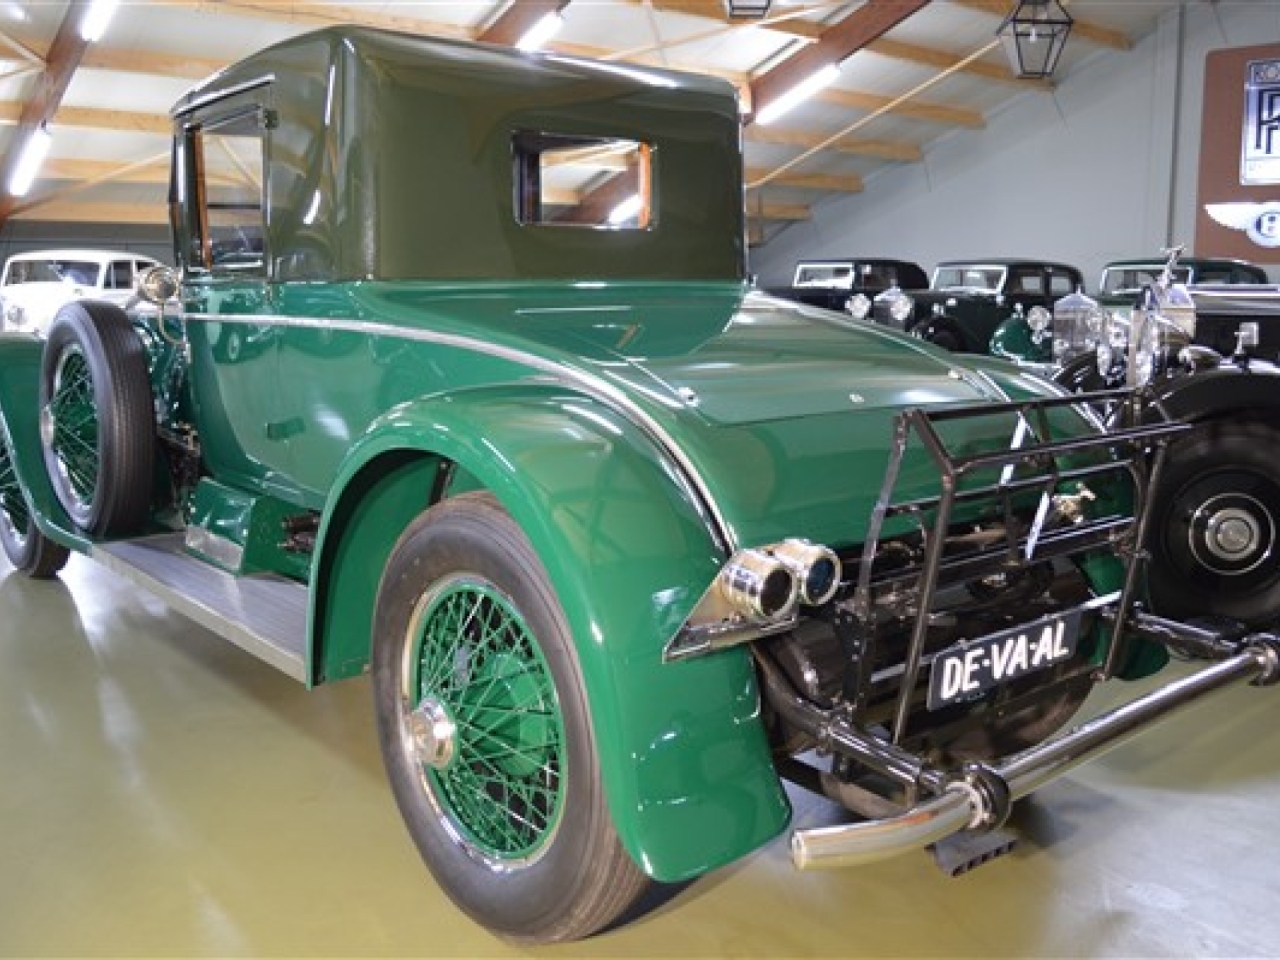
point(83, 272)
point(1132, 279)
point(969, 277)
point(834, 276)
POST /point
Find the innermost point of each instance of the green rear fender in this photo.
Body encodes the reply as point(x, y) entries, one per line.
point(686, 765)
point(20, 356)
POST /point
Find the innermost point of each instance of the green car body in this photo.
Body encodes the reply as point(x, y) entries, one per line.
point(392, 317)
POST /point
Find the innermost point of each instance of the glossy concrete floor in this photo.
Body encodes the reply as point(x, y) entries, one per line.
point(165, 794)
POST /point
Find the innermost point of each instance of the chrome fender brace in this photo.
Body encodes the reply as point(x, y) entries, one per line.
point(978, 798)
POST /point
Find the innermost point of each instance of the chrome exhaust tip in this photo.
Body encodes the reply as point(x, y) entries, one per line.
point(759, 585)
point(817, 569)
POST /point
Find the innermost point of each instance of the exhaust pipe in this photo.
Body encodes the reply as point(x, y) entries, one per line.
point(978, 797)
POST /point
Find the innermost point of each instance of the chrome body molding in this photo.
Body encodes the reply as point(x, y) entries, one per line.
point(594, 387)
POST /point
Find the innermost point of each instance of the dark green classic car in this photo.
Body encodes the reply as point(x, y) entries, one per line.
point(468, 390)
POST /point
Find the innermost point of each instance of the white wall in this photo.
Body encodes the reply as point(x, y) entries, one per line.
point(1103, 167)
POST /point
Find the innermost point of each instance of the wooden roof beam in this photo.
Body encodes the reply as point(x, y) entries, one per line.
point(838, 183)
point(879, 149)
point(838, 42)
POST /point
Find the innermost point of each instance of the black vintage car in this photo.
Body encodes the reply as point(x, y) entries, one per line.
point(969, 299)
point(835, 283)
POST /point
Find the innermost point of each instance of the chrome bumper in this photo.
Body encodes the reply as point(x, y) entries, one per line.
point(977, 797)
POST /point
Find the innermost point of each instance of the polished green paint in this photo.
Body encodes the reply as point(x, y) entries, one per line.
point(254, 523)
point(473, 657)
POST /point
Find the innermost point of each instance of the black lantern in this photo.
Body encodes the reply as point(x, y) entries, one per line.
point(1034, 35)
point(746, 9)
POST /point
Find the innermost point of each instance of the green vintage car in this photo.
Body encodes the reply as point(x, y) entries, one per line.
point(468, 390)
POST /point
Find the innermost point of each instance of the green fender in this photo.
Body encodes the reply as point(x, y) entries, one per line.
point(20, 355)
point(686, 765)
point(1013, 340)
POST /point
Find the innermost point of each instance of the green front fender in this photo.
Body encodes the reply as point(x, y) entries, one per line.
point(20, 356)
point(686, 765)
point(1013, 340)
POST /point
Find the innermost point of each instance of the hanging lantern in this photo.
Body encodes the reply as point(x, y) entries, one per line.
point(1034, 35)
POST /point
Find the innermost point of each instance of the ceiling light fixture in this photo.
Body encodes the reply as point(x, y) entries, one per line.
point(547, 26)
point(29, 161)
point(746, 9)
point(1034, 35)
point(801, 92)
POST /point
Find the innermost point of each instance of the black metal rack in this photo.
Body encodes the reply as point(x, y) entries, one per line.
point(1041, 458)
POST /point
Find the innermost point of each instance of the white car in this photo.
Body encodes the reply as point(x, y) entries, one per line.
point(36, 285)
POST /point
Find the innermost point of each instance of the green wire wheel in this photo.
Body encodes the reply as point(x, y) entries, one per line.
point(484, 729)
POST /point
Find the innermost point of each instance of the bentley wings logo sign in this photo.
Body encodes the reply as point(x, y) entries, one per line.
point(1259, 221)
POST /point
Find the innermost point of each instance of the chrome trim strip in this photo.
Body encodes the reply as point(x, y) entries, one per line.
point(593, 387)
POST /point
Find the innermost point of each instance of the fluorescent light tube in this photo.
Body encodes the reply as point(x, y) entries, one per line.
point(801, 92)
point(542, 31)
point(97, 18)
point(28, 165)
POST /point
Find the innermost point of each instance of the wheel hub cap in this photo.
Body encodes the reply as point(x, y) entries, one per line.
point(433, 733)
point(1231, 534)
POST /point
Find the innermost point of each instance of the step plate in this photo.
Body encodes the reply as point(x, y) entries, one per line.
point(263, 614)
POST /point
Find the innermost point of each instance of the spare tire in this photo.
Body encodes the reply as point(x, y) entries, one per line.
point(96, 419)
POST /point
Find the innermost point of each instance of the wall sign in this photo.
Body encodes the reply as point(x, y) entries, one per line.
point(1238, 206)
point(1260, 151)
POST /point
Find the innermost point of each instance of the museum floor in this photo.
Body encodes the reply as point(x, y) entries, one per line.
point(166, 794)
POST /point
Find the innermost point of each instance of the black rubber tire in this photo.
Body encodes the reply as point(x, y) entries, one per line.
point(29, 550)
point(1080, 374)
point(1222, 476)
point(580, 879)
point(120, 500)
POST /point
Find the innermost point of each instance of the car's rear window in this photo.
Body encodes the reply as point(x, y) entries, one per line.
point(577, 181)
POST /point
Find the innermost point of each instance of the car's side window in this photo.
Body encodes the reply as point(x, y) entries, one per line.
point(227, 164)
point(1061, 285)
point(1026, 282)
point(576, 181)
point(119, 275)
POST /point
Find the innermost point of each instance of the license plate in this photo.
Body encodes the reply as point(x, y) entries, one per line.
point(970, 670)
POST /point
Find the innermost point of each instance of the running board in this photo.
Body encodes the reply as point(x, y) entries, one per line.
point(264, 615)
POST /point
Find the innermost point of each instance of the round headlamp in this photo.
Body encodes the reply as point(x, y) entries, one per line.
point(902, 308)
point(1039, 319)
point(859, 306)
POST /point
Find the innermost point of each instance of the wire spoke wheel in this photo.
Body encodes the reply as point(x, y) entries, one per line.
point(485, 731)
point(72, 426)
point(14, 515)
point(26, 547)
point(474, 659)
point(97, 419)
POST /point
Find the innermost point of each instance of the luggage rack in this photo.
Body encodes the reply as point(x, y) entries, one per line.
point(1136, 447)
